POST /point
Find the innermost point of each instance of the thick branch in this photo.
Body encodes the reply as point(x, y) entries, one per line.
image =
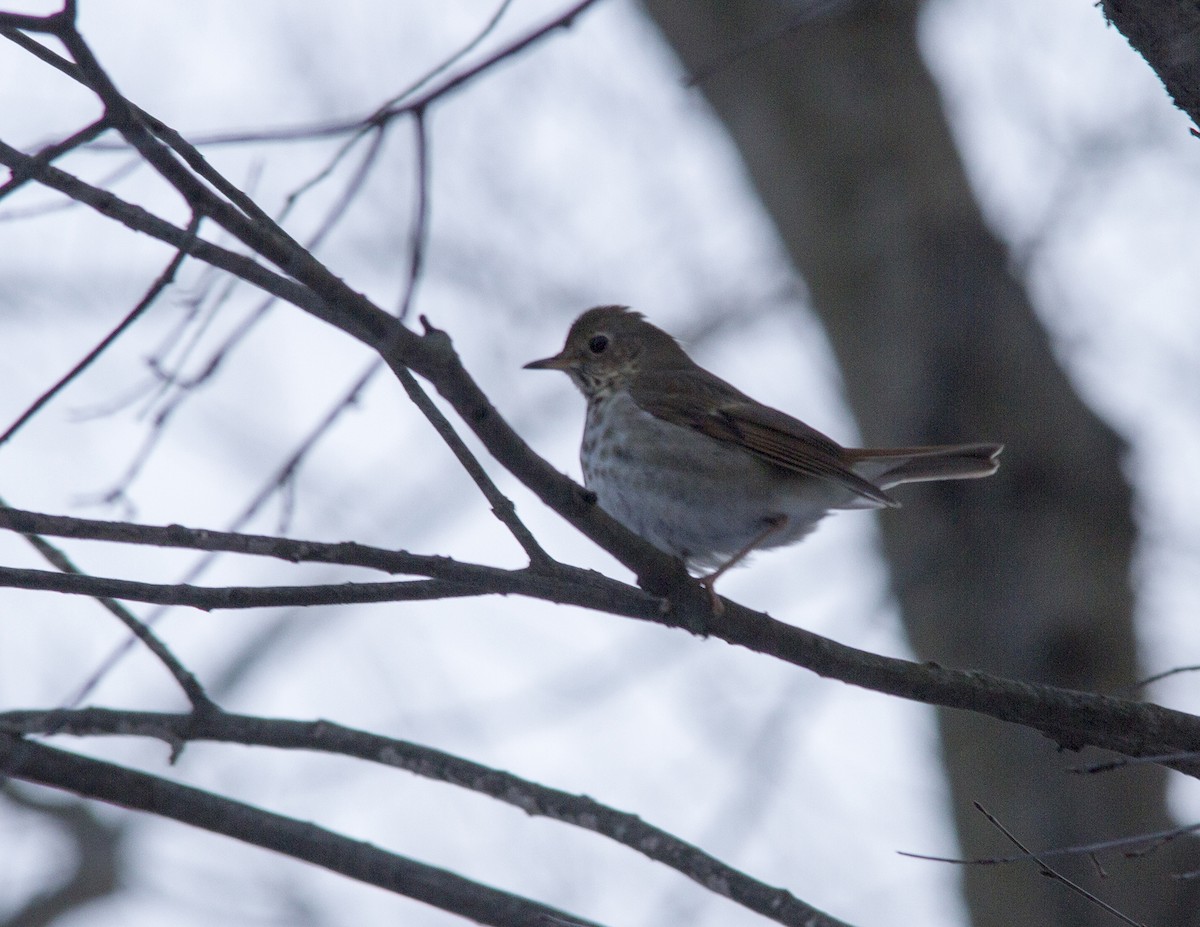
point(1072, 719)
point(432, 356)
point(139, 219)
point(90, 778)
point(530, 797)
point(1167, 34)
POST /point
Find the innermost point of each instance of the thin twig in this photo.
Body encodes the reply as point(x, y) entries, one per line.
point(420, 223)
point(811, 10)
point(1054, 874)
point(403, 103)
point(1137, 845)
point(186, 388)
point(447, 63)
point(216, 598)
point(1073, 719)
point(195, 693)
point(502, 506)
point(146, 222)
point(1158, 677)
point(1175, 758)
point(50, 153)
point(165, 279)
point(281, 476)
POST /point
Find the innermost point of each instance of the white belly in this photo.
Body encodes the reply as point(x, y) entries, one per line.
point(695, 497)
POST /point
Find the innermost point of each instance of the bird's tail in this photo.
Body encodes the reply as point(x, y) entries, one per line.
point(893, 466)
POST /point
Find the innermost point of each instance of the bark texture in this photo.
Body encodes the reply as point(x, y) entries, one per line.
point(1027, 574)
point(1167, 34)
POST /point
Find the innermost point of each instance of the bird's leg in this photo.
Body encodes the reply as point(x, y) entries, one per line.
point(774, 523)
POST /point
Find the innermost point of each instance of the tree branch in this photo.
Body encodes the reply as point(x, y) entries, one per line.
point(1072, 719)
point(165, 279)
point(91, 778)
point(1167, 34)
point(532, 798)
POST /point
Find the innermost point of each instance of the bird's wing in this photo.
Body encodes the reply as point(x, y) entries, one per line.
point(699, 400)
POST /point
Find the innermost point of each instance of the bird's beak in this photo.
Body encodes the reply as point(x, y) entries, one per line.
point(557, 362)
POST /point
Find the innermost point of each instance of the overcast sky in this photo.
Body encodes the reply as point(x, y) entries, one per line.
point(583, 172)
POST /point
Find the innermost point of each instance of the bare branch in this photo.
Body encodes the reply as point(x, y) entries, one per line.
point(90, 778)
point(568, 586)
point(1058, 876)
point(566, 19)
point(454, 59)
point(531, 797)
point(31, 23)
point(212, 598)
point(1073, 719)
point(1158, 677)
point(404, 102)
point(141, 220)
point(280, 477)
point(188, 682)
point(1137, 845)
point(164, 280)
point(502, 506)
point(51, 152)
point(420, 224)
point(328, 298)
point(294, 551)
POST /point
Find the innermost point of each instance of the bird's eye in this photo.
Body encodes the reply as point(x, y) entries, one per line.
point(598, 344)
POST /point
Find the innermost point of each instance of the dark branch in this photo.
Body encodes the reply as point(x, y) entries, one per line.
point(1167, 34)
point(141, 220)
point(51, 152)
point(1137, 845)
point(70, 572)
point(405, 102)
point(1057, 876)
point(420, 223)
point(213, 598)
point(531, 797)
point(502, 506)
point(1072, 719)
point(107, 782)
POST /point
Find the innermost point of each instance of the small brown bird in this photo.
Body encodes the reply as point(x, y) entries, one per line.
point(701, 470)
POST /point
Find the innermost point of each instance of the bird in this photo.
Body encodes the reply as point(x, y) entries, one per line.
point(703, 472)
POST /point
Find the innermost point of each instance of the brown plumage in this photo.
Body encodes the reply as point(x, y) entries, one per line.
point(703, 471)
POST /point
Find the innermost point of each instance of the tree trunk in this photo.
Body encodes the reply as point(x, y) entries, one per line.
point(1025, 574)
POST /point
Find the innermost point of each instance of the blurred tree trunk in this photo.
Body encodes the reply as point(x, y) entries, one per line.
point(1026, 574)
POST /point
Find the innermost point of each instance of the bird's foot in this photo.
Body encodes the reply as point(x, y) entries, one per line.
point(710, 583)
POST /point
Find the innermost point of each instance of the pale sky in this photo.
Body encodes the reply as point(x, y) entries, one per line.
point(581, 173)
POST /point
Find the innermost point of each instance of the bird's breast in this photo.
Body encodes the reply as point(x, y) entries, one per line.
point(693, 496)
